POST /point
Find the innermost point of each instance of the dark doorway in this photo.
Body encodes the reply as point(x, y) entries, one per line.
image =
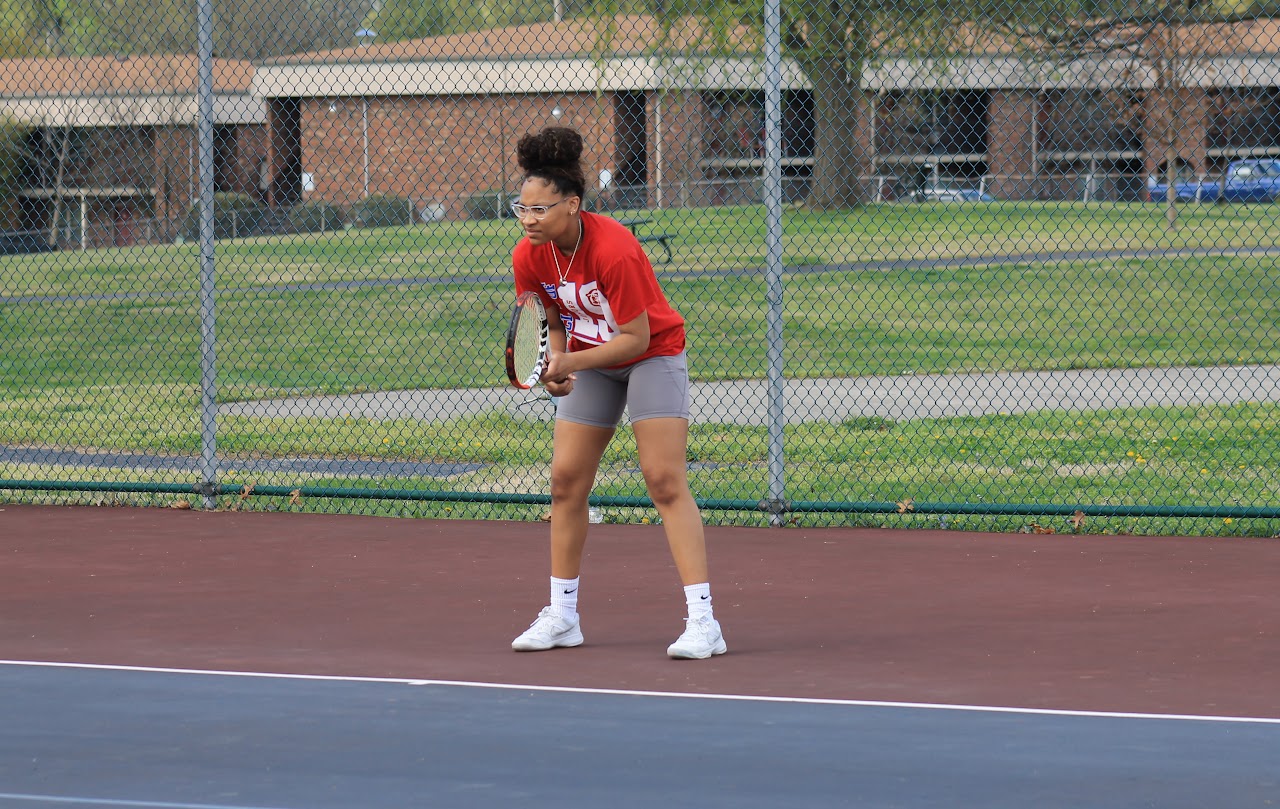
point(286, 152)
point(629, 183)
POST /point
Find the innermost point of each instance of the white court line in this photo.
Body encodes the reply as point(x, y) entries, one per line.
point(857, 703)
point(82, 801)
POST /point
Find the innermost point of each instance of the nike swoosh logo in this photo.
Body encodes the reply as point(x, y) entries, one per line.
point(570, 592)
point(706, 598)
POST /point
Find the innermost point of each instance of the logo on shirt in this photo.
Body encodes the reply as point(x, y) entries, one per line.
point(586, 313)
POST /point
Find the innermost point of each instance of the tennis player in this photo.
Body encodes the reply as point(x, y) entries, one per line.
point(615, 343)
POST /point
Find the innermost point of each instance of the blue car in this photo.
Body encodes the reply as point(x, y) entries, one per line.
point(1246, 181)
point(946, 193)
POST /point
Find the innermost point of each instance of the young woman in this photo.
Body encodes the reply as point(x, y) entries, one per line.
point(615, 343)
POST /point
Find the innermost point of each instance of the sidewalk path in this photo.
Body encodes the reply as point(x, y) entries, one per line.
point(899, 398)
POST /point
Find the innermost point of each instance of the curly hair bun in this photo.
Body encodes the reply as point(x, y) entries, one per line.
point(552, 148)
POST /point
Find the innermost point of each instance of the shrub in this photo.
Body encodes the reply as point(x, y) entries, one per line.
point(315, 217)
point(235, 216)
point(382, 211)
point(490, 204)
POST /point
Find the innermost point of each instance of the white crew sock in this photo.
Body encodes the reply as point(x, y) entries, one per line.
point(698, 599)
point(564, 596)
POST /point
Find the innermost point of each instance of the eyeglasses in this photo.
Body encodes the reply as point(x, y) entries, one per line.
point(538, 212)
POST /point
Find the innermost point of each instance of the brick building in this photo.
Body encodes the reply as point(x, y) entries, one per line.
point(111, 143)
point(435, 120)
point(1095, 128)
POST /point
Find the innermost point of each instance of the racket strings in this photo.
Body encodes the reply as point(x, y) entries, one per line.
point(528, 346)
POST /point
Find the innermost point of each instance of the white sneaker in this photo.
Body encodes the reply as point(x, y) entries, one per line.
point(548, 631)
point(701, 639)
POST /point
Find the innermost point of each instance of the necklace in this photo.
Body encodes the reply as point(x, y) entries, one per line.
point(555, 256)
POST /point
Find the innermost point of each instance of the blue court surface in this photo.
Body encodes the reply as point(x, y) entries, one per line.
point(174, 739)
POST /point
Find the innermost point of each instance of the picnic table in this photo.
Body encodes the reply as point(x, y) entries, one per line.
point(662, 239)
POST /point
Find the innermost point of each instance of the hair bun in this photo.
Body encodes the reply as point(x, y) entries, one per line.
point(555, 146)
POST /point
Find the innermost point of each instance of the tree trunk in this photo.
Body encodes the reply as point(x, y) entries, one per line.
point(1170, 155)
point(841, 165)
point(832, 56)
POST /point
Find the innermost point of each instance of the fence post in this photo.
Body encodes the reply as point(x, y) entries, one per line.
point(208, 344)
point(775, 505)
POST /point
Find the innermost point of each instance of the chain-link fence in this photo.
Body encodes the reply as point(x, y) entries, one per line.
point(964, 259)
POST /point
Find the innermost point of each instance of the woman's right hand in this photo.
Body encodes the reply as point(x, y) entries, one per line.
point(557, 379)
point(561, 388)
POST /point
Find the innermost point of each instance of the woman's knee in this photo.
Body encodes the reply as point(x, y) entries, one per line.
point(569, 484)
point(666, 487)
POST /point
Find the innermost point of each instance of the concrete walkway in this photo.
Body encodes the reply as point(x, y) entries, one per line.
point(899, 398)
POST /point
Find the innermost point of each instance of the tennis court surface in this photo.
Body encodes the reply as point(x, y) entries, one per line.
point(163, 658)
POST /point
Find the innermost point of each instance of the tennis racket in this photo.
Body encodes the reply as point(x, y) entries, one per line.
point(528, 339)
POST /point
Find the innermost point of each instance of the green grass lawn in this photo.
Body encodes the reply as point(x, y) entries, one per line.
point(1130, 313)
point(102, 373)
point(707, 239)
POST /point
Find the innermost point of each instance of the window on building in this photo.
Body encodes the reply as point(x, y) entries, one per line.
point(734, 125)
point(1090, 121)
point(931, 123)
point(1246, 117)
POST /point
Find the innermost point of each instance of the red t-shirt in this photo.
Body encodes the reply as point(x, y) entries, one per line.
point(611, 282)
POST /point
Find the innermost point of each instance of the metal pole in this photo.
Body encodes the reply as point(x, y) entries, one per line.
point(364, 137)
point(208, 345)
point(657, 147)
point(776, 504)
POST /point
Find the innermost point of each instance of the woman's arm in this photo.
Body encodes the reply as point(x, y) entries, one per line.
point(631, 341)
point(559, 345)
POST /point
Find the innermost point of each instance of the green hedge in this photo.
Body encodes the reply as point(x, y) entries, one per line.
point(489, 204)
point(315, 217)
point(382, 211)
point(235, 216)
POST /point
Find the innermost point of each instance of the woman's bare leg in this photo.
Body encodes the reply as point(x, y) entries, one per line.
point(575, 460)
point(663, 447)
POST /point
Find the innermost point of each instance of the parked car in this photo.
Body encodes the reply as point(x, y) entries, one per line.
point(1245, 181)
point(949, 193)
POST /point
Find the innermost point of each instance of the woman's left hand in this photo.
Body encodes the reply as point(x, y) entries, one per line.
point(563, 388)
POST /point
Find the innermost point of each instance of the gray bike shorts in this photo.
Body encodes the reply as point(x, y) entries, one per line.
point(650, 389)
